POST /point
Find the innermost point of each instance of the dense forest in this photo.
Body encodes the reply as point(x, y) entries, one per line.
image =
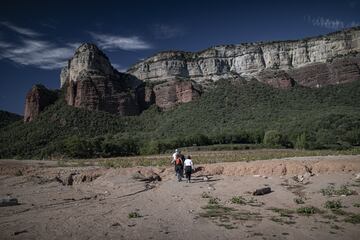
point(231, 112)
point(7, 118)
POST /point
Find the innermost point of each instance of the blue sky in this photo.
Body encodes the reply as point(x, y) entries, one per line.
point(37, 37)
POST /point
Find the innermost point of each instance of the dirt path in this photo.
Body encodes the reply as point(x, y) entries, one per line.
point(94, 203)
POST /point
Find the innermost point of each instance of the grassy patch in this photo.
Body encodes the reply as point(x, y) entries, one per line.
point(356, 184)
point(227, 226)
point(281, 220)
point(202, 157)
point(238, 200)
point(353, 218)
point(213, 200)
point(243, 201)
point(299, 200)
point(308, 210)
point(333, 204)
point(340, 212)
point(217, 212)
point(356, 205)
point(134, 215)
point(336, 227)
point(329, 216)
point(205, 195)
point(283, 212)
point(226, 216)
point(332, 191)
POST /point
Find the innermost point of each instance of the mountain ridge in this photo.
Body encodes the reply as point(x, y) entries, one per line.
point(170, 79)
point(249, 59)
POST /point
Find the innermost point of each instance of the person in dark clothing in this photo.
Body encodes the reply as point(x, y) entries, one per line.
point(189, 166)
point(182, 167)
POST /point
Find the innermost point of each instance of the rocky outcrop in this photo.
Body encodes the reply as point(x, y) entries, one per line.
point(37, 99)
point(92, 83)
point(339, 70)
point(174, 77)
point(277, 79)
point(328, 55)
point(172, 93)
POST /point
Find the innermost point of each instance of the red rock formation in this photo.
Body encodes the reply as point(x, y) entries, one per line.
point(102, 94)
point(277, 79)
point(92, 83)
point(37, 99)
point(340, 70)
point(171, 93)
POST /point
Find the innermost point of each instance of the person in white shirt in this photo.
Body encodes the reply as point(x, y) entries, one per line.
point(174, 156)
point(189, 166)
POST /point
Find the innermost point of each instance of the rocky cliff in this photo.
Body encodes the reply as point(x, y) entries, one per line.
point(171, 78)
point(92, 83)
point(313, 62)
point(36, 100)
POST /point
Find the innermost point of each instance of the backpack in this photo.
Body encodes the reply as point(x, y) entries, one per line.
point(178, 161)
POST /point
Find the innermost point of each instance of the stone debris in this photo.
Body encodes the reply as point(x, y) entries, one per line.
point(262, 191)
point(8, 201)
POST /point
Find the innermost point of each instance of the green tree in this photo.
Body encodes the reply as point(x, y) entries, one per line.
point(301, 142)
point(273, 138)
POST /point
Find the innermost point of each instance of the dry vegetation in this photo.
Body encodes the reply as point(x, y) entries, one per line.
point(204, 157)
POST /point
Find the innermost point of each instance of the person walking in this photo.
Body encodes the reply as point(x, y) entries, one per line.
point(179, 166)
point(175, 155)
point(189, 166)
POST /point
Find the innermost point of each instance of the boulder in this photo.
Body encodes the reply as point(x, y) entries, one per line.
point(262, 191)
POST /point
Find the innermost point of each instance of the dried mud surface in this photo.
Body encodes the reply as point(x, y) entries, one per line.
point(95, 202)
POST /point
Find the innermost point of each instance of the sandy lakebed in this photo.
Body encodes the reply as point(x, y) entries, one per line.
point(311, 198)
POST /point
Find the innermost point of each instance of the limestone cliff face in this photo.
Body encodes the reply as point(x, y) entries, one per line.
point(36, 100)
point(92, 83)
point(325, 60)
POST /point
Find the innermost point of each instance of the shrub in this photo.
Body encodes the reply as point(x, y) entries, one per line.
point(205, 195)
point(332, 191)
point(301, 142)
point(238, 200)
point(353, 218)
point(213, 200)
point(134, 215)
point(299, 200)
point(309, 210)
point(273, 138)
point(76, 147)
point(336, 204)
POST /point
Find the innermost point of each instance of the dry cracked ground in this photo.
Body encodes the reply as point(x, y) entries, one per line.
point(311, 198)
